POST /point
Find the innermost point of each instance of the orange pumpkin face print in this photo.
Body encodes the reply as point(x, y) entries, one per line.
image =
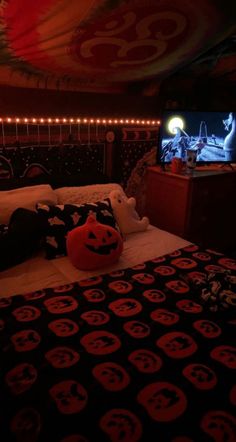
point(154, 295)
point(125, 307)
point(63, 288)
point(164, 316)
point(184, 263)
point(62, 357)
point(26, 313)
point(121, 287)
point(144, 278)
point(163, 401)
point(61, 304)
point(165, 270)
point(225, 354)
point(69, 396)
point(189, 306)
point(177, 345)
point(228, 263)
point(203, 256)
point(35, 295)
point(100, 342)
point(63, 327)
point(117, 273)
point(201, 376)
point(121, 425)
point(94, 295)
point(137, 329)
point(175, 253)
point(21, 377)
point(93, 280)
point(5, 302)
point(219, 425)
point(139, 266)
point(178, 286)
point(145, 361)
point(95, 317)
point(159, 259)
point(25, 340)
point(197, 277)
point(209, 329)
point(26, 424)
point(191, 248)
point(112, 376)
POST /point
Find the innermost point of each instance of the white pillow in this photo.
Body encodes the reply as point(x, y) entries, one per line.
point(25, 197)
point(86, 194)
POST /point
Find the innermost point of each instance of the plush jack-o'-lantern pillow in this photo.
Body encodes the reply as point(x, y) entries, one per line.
point(93, 245)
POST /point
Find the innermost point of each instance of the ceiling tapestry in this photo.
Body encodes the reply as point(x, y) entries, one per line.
point(103, 46)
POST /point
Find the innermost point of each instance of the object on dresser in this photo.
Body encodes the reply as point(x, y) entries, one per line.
point(60, 219)
point(93, 245)
point(125, 213)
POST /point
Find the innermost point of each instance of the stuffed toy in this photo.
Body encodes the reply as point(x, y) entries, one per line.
point(125, 213)
point(93, 245)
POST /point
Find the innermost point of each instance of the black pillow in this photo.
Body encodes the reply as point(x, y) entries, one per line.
point(60, 219)
point(21, 238)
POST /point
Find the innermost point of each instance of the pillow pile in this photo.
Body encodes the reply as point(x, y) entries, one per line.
point(60, 219)
point(86, 194)
point(24, 197)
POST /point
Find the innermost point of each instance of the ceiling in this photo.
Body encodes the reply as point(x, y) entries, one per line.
point(115, 46)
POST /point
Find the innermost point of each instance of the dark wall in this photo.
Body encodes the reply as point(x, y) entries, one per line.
point(42, 102)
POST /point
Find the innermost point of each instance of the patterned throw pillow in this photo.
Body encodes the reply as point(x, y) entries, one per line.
point(60, 219)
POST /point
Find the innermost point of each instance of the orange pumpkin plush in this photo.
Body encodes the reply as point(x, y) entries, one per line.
point(93, 245)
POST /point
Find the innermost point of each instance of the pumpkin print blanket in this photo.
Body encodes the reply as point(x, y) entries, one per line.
point(142, 354)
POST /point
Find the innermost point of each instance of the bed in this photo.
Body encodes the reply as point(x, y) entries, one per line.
point(142, 350)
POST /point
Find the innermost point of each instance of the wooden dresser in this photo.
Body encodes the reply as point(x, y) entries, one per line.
point(200, 206)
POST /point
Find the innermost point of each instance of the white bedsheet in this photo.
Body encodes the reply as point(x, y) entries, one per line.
point(38, 273)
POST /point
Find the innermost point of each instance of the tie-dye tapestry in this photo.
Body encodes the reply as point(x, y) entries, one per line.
point(103, 45)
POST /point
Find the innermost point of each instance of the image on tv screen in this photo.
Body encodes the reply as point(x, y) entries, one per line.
point(211, 134)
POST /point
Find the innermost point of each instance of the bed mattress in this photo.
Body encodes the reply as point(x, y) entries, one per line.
point(38, 273)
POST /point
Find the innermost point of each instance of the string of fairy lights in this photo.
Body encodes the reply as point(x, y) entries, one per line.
point(46, 120)
point(90, 123)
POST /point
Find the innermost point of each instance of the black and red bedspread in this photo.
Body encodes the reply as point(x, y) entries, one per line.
point(135, 355)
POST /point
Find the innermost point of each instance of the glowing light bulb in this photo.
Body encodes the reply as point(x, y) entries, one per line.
point(97, 121)
point(17, 120)
point(71, 120)
point(9, 120)
point(85, 120)
point(34, 120)
point(26, 120)
point(41, 120)
point(57, 120)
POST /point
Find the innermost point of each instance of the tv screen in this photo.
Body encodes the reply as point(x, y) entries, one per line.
point(211, 134)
